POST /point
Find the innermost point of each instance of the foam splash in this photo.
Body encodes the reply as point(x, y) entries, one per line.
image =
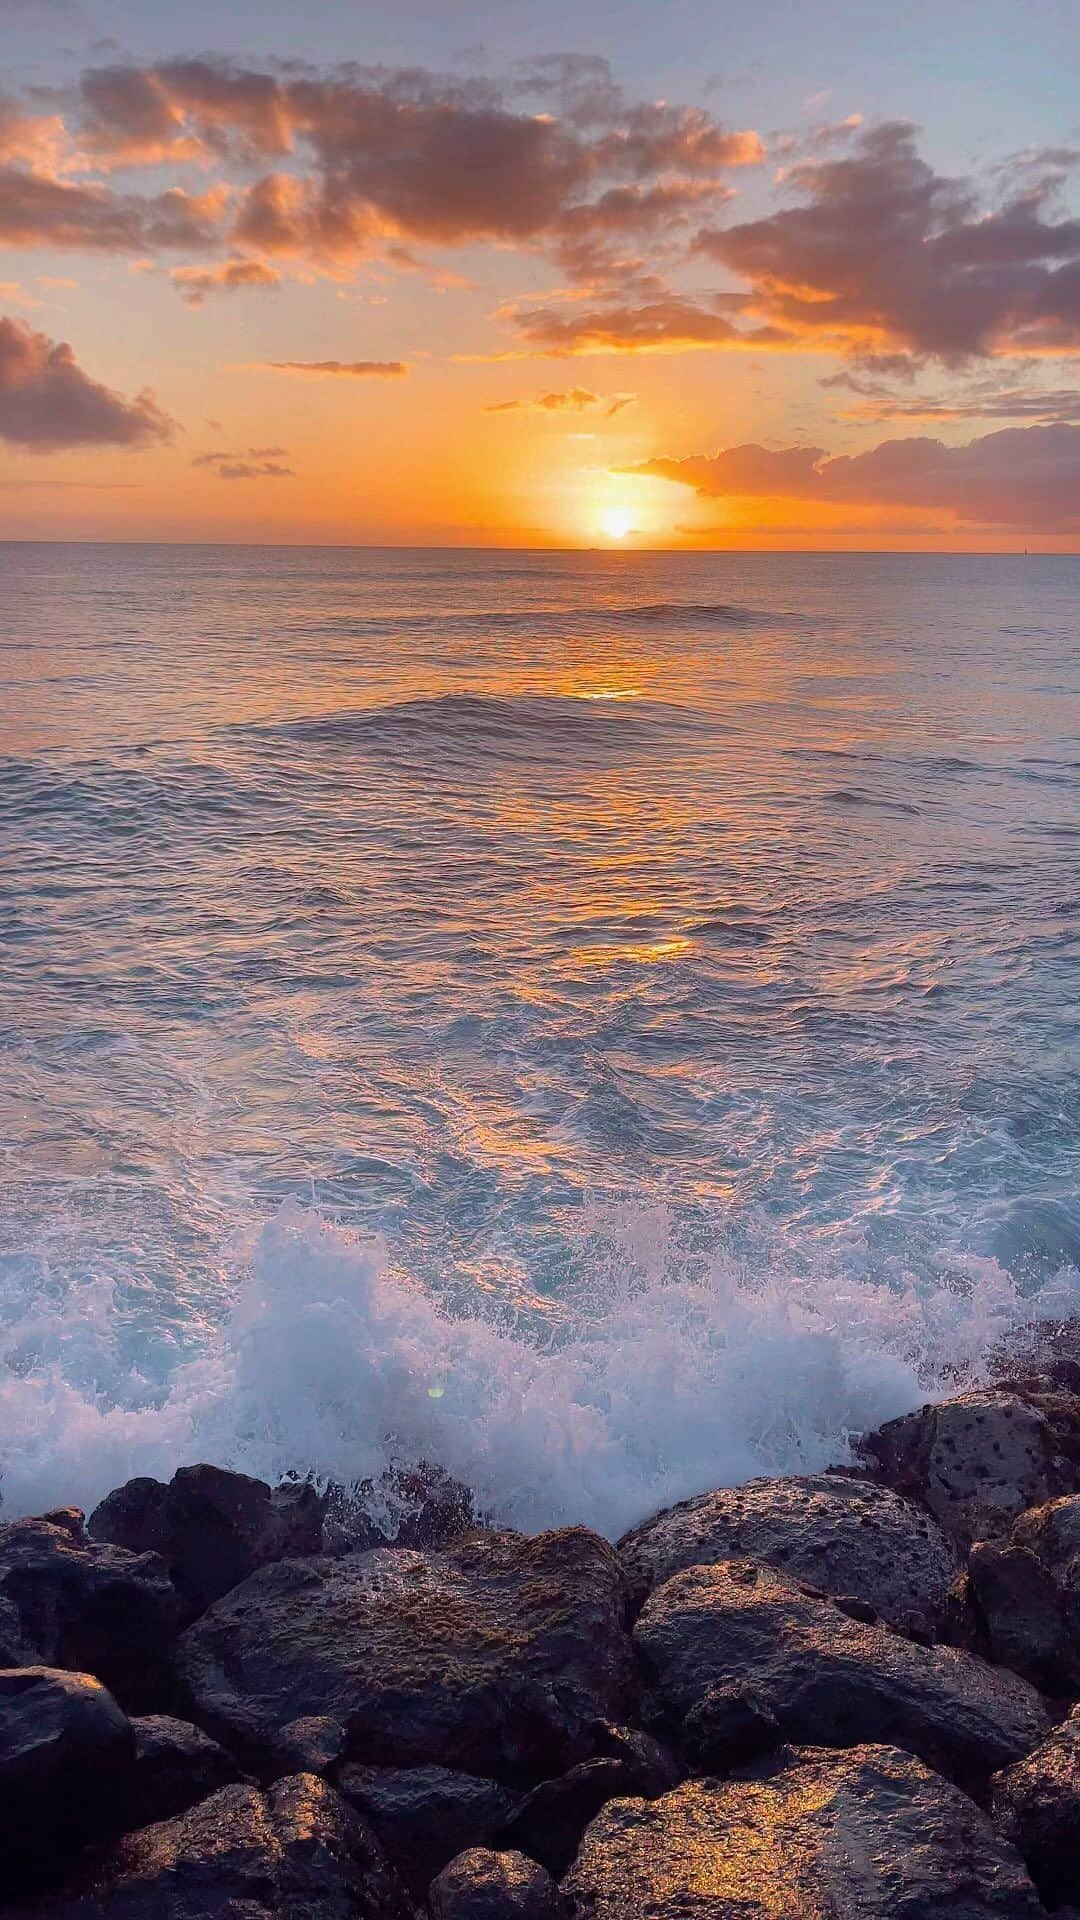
point(662, 1382)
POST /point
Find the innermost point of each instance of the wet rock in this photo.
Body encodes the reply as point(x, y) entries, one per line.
point(420, 1506)
point(313, 1744)
point(93, 1608)
point(829, 1678)
point(847, 1536)
point(212, 1528)
point(866, 1835)
point(980, 1459)
point(1037, 1806)
point(549, 1822)
point(71, 1519)
point(494, 1886)
point(176, 1766)
point(425, 1816)
point(729, 1726)
point(296, 1851)
point(67, 1756)
point(493, 1656)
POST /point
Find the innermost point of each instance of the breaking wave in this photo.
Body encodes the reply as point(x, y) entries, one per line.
point(664, 1376)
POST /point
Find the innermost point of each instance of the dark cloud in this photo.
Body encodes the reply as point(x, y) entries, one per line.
point(1023, 477)
point(885, 255)
point(47, 402)
point(362, 155)
point(258, 463)
point(350, 369)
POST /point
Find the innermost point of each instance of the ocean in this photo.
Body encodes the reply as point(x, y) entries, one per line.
point(605, 1022)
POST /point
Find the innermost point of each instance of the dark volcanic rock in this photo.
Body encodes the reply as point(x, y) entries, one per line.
point(67, 1602)
point(844, 1535)
point(493, 1656)
point(550, 1821)
point(424, 1816)
point(420, 1506)
point(1037, 1806)
point(729, 1726)
point(212, 1528)
point(67, 1756)
point(828, 1678)
point(494, 1886)
point(176, 1765)
point(1026, 1594)
point(296, 1851)
point(864, 1835)
point(979, 1460)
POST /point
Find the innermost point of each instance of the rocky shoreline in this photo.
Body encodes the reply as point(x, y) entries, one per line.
point(845, 1696)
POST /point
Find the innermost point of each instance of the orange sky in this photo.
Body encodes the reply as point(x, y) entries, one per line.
point(529, 305)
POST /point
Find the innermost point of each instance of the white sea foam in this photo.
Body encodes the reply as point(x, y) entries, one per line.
point(660, 1381)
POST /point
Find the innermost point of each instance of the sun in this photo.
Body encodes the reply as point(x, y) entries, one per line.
point(617, 522)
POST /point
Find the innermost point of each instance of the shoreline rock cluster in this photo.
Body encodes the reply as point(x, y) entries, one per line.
point(842, 1696)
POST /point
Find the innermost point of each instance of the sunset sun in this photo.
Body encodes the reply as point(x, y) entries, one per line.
point(617, 523)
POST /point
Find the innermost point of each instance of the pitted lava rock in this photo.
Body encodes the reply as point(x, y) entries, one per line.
point(494, 1656)
point(828, 1678)
point(870, 1834)
point(847, 1536)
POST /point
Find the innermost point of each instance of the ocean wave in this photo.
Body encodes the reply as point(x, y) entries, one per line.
point(494, 722)
point(666, 1376)
point(673, 614)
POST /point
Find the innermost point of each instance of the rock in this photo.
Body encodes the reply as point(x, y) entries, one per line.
point(71, 1519)
point(424, 1816)
point(421, 1506)
point(550, 1821)
point(1037, 1806)
point(67, 1756)
point(493, 1656)
point(212, 1528)
point(730, 1725)
point(1018, 1603)
point(828, 1678)
point(865, 1835)
point(133, 1516)
point(313, 1744)
point(67, 1602)
point(980, 1459)
point(176, 1766)
point(847, 1536)
point(296, 1851)
point(494, 1886)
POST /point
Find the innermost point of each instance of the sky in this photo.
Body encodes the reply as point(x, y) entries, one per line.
point(716, 273)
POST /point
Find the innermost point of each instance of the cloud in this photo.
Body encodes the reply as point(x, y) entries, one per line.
point(350, 369)
point(47, 402)
point(666, 323)
point(355, 157)
point(572, 400)
point(258, 463)
point(977, 400)
point(38, 210)
point(232, 276)
point(1023, 477)
point(885, 255)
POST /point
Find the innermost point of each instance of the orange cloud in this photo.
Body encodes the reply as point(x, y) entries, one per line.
point(351, 369)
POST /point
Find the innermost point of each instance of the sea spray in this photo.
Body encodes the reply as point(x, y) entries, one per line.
point(663, 1378)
